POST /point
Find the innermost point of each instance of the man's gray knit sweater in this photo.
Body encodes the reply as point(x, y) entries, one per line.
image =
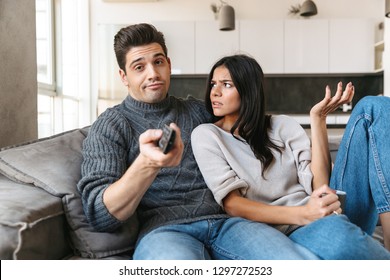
point(177, 195)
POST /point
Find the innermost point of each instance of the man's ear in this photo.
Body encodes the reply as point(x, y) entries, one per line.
point(122, 74)
point(170, 65)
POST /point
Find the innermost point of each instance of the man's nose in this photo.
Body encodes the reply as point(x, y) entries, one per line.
point(152, 72)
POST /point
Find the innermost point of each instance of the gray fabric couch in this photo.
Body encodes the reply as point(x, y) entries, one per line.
point(41, 215)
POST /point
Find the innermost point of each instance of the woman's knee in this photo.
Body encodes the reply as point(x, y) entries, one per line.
point(371, 102)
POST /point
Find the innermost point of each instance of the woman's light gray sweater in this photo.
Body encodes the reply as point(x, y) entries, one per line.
point(228, 164)
point(177, 195)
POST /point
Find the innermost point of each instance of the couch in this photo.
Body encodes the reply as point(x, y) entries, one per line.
point(41, 215)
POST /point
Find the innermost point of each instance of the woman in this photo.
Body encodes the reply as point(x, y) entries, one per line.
point(259, 167)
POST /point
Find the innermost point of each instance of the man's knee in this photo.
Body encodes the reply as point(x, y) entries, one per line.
point(170, 245)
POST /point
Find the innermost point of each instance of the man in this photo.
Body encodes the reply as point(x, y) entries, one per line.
point(125, 171)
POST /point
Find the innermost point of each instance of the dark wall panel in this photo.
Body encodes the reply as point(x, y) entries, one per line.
point(289, 94)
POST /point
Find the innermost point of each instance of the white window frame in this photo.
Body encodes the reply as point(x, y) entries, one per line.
point(65, 117)
point(50, 88)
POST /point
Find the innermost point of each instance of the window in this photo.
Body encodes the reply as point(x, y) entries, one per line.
point(45, 44)
point(45, 65)
point(62, 61)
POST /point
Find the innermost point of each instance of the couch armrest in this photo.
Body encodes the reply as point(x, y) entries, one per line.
point(32, 223)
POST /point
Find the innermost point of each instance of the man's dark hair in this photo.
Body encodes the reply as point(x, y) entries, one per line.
point(134, 36)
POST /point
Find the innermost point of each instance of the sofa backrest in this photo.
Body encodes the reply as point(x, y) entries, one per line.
point(54, 164)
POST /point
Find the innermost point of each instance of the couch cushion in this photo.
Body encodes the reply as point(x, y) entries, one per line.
point(53, 164)
point(33, 226)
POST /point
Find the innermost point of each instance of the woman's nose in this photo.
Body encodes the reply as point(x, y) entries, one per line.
point(216, 91)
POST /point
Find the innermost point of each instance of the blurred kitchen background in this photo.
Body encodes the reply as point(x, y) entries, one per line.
point(63, 50)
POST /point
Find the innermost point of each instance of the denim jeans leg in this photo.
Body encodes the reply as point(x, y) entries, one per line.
point(241, 239)
point(336, 238)
point(362, 166)
point(174, 242)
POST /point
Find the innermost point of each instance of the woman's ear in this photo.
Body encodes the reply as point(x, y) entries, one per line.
point(123, 76)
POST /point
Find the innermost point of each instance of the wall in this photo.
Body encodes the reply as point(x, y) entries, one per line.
point(289, 94)
point(18, 74)
point(386, 58)
point(176, 10)
point(130, 12)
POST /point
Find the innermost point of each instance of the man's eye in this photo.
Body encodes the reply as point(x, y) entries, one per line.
point(138, 68)
point(213, 84)
point(160, 61)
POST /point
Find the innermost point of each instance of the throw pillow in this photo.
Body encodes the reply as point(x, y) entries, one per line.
point(53, 164)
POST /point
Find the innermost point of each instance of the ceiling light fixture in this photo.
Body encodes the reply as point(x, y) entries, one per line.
point(308, 9)
point(225, 14)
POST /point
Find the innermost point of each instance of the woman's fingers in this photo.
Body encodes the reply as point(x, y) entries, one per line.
point(341, 97)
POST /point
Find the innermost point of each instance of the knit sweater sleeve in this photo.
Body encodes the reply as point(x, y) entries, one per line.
point(213, 155)
point(104, 162)
point(298, 143)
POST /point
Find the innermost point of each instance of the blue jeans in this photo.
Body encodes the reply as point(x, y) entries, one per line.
point(222, 239)
point(362, 166)
point(336, 238)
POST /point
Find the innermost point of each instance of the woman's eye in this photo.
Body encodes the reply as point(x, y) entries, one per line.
point(228, 85)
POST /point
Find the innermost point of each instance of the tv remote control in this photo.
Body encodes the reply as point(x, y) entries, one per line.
point(167, 139)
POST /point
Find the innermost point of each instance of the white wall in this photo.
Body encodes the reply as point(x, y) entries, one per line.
point(386, 58)
point(176, 10)
point(18, 72)
point(128, 12)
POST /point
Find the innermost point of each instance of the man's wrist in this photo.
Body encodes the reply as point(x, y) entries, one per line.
point(145, 163)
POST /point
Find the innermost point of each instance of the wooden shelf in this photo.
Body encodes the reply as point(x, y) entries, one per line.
point(380, 46)
point(379, 49)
